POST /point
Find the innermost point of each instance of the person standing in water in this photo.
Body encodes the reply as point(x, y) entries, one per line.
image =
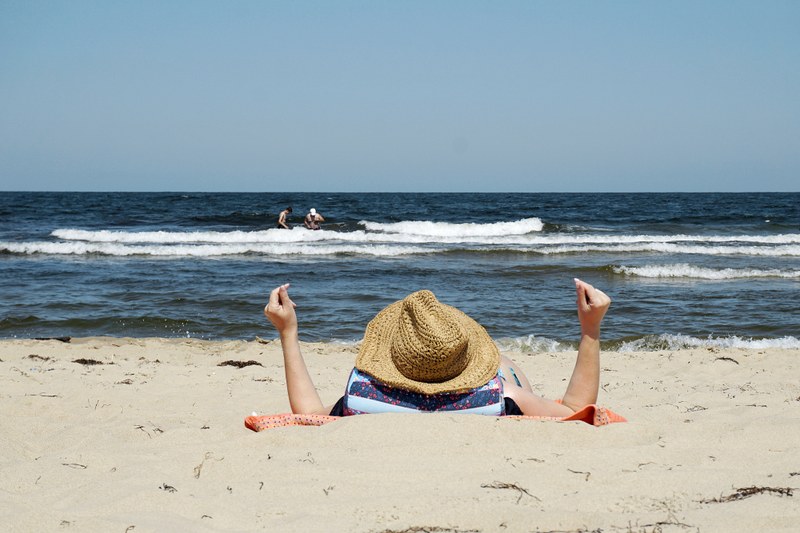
point(313, 219)
point(282, 218)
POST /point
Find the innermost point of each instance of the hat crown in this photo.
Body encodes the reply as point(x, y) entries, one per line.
point(429, 344)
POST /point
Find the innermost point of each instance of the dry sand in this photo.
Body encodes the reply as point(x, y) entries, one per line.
point(153, 440)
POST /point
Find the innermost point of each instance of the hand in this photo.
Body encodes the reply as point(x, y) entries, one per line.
point(280, 310)
point(592, 306)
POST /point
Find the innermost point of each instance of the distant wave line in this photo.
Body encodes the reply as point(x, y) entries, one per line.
point(199, 250)
point(373, 249)
point(648, 343)
point(668, 248)
point(683, 270)
point(428, 228)
point(301, 235)
point(652, 343)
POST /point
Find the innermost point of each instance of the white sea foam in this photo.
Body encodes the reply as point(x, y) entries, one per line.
point(296, 235)
point(678, 342)
point(500, 233)
point(403, 238)
point(683, 270)
point(205, 246)
point(531, 344)
point(763, 251)
point(448, 229)
point(650, 343)
point(175, 237)
point(201, 250)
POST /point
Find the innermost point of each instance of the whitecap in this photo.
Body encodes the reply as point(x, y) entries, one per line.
point(678, 342)
point(683, 270)
point(449, 229)
point(201, 250)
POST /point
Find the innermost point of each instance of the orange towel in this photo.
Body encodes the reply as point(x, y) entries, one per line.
point(591, 414)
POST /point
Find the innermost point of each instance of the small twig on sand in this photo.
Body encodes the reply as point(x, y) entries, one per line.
point(82, 361)
point(696, 408)
point(199, 467)
point(240, 364)
point(579, 472)
point(430, 529)
point(746, 492)
point(141, 427)
point(502, 485)
point(731, 359)
point(656, 526)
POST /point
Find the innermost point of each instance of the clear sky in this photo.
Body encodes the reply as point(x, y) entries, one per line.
point(400, 96)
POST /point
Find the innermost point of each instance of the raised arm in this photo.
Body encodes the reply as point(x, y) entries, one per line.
point(303, 395)
point(585, 381)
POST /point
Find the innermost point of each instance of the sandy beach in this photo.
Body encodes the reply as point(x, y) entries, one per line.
point(153, 439)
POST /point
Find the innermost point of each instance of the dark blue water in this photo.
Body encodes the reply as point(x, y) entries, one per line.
point(682, 269)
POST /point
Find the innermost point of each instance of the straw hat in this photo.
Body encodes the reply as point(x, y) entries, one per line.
point(422, 345)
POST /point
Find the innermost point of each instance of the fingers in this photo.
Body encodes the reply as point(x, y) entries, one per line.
point(274, 298)
point(589, 297)
point(284, 295)
point(602, 298)
point(277, 298)
point(584, 296)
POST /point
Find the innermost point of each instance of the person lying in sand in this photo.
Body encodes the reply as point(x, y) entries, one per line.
point(419, 354)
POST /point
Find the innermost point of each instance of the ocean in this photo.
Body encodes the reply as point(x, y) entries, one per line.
point(683, 270)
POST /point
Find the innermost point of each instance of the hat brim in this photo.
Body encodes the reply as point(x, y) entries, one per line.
point(375, 358)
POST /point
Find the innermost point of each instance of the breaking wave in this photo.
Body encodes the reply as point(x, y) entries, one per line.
point(652, 343)
point(200, 250)
point(683, 270)
point(649, 343)
point(448, 229)
point(527, 236)
point(532, 344)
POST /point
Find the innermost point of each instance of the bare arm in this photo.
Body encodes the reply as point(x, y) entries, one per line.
point(585, 381)
point(303, 395)
point(534, 405)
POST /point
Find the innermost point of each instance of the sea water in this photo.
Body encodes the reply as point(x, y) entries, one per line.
point(682, 269)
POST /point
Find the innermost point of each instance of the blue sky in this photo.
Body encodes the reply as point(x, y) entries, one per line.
point(400, 96)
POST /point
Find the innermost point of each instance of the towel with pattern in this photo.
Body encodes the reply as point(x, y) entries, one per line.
point(591, 414)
